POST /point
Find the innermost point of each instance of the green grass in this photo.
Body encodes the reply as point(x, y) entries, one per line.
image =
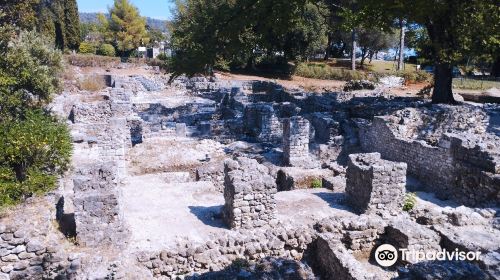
point(473, 84)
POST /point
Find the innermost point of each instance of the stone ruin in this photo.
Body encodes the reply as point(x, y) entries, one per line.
point(249, 194)
point(368, 149)
point(296, 142)
point(460, 167)
point(375, 185)
point(97, 215)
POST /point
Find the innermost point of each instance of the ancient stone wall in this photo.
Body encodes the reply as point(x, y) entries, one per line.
point(450, 169)
point(325, 127)
point(374, 185)
point(190, 257)
point(261, 122)
point(249, 194)
point(23, 256)
point(332, 258)
point(97, 215)
point(295, 141)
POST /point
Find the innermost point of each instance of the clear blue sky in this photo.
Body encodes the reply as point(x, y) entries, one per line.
point(159, 9)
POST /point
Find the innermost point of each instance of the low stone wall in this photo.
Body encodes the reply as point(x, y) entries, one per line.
point(26, 257)
point(451, 169)
point(97, 215)
point(221, 251)
point(332, 258)
point(249, 194)
point(375, 185)
point(407, 234)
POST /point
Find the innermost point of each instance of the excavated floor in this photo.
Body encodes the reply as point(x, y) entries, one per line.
point(159, 213)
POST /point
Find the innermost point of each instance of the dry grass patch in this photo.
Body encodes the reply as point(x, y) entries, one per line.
point(92, 83)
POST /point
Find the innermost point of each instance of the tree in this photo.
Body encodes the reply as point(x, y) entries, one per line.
point(21, 14)
point(126, 29)
point(456, 29)
point(155, 36)
point(372, 40)
point(71, 24)
point(59, 19)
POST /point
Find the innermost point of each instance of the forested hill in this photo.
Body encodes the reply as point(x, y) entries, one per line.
point(154, 23)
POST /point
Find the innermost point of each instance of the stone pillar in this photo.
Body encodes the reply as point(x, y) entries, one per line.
point(249, 194)
point(295, 141)
point(375, 185)
point(97, 214)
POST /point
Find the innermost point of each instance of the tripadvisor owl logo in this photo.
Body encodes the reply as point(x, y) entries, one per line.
point(386, 255)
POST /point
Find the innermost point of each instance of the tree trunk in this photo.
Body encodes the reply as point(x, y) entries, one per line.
point(353, 50)
point(364, 55)
point(20, 171)
point(443, 78)
point(370, 56)
point(401, 60)
point(495, 70)
point(328, 51)
point(250, 64)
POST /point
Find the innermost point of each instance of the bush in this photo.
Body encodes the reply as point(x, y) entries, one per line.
point(410, 202)
point(27, 64)
point(317, 183)
point(87, 48)
point(32, 151)
point(106, 50)
point(34, 146)
point(326, 72)
point(92, 61)
point(415, 77)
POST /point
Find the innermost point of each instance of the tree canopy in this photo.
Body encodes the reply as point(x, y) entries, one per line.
point(125, 29)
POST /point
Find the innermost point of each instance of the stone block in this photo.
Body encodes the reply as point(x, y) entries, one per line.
point(374, 185)
point(249, 194)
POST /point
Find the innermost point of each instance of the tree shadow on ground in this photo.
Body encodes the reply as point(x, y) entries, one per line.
point(494, 123)
point(335, 200)
point(209, 215)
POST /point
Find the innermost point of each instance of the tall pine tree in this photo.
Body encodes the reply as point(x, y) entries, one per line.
point(71, 24)
point(126, 29)
point(60, 20)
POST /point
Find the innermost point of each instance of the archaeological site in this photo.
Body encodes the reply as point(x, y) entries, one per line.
point(217, 178)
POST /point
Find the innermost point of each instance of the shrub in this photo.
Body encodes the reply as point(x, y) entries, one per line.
point(415, 77)
point(317, 183)
point(32, 151)
point(92, 61)
point(410, 201)
point(326, 72)
point(359, 85)
point(34, 146)
point(92, 83)
point(27, 64)
point(106, 50)
point(87, 48)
